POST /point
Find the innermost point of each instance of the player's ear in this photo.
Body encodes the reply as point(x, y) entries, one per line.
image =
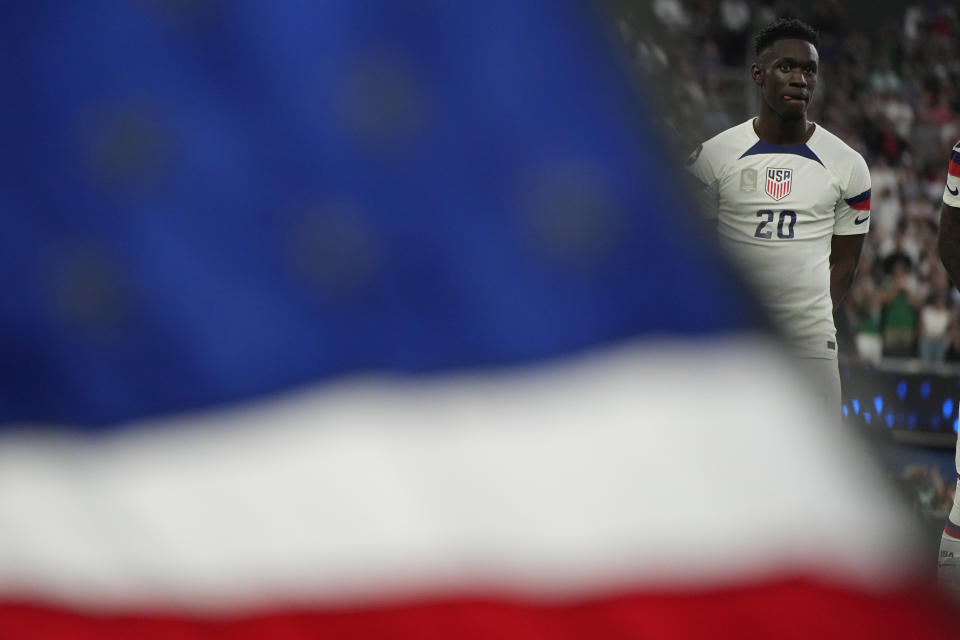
point(756, 71)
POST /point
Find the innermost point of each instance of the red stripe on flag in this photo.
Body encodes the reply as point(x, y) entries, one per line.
point(863, 205)
point(953, 168)
point(780, 609)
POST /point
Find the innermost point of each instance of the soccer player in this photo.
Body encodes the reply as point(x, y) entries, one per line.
point(948, 242)
point(791, 201)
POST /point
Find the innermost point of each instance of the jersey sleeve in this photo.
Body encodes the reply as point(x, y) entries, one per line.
point(951, 191)
point(853, 209)
point(699, 164)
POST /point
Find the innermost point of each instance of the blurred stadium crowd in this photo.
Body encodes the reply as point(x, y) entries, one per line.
point(887, 90)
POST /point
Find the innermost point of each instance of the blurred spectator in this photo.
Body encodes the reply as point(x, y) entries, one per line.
point(912, 19)
point(897, 110)
point(901, 248)
point(734, 37)
point(864, 310)
point(899, 312)
point(934, 336)
point(930, 494)
point(885, 206)
point(671, 13)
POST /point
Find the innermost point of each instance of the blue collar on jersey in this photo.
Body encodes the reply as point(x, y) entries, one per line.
point(762, 147)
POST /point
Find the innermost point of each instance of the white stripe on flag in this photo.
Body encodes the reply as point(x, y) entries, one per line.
point(674, 462)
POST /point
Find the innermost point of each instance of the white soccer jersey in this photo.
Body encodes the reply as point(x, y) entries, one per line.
point(951, 190)
point(777, 209)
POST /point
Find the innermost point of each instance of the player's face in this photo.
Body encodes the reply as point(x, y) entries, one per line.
point(787, 75)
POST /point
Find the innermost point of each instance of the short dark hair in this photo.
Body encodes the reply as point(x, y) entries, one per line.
point(783, 29)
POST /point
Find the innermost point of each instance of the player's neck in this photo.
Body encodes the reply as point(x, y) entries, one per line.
point(775, 130)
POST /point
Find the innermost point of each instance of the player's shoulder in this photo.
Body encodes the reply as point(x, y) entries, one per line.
point(727, 145)
point(736, 136)
point(833, 152)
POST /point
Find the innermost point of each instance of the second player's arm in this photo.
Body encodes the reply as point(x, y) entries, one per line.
point(844, 257)
point(948, 241)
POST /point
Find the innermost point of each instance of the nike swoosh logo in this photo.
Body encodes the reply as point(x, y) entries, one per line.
point(953, 192)
point(859, 221)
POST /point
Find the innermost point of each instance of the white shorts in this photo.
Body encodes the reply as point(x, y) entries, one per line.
point(824, 376)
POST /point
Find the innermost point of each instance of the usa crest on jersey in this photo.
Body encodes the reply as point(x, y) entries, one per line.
point(778, 182)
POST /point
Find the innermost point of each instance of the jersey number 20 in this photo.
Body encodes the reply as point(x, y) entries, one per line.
point(787, 219)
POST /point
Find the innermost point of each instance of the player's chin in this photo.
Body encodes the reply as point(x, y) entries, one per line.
point(793, 108)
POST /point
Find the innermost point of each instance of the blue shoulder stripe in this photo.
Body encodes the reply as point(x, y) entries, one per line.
point(858, 199)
